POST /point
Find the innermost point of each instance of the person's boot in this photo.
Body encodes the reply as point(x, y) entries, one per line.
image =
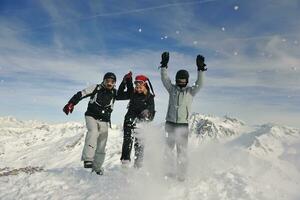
point(170, 175)
point(181, 176)
point(125, 163)
point(87, 164)
point(138, 163)
point(100, 172)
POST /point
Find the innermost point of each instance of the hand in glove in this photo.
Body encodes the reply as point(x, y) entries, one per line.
point(145, 114)
point(68, 108)
point(128, 77)
point(200, 63)
point(164, 59)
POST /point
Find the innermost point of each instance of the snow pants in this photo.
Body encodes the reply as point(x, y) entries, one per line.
point(176, 136)
point(129, 136)
point(95, 142)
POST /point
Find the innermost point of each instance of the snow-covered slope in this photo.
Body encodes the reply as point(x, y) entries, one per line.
point(228, 160)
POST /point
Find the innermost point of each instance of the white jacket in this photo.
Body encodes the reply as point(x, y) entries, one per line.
point(180, 99)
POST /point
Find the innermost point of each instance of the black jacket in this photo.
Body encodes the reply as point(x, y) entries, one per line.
point(137, 102)
point(101, 101)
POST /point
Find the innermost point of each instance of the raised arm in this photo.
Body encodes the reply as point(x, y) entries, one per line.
point(164, 73)
point(125, 84)
point(198, 84)
point(165, 79)
point(201, 68)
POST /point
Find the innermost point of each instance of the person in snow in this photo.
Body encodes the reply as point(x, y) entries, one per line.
point(176, 126)
point(140, 109)
point(97, 117)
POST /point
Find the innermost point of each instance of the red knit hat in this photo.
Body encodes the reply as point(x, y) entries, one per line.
point(143, 78)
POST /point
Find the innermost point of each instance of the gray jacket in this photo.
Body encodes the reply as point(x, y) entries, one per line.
point(180, 99)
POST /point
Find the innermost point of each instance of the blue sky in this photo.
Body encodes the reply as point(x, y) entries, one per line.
point(49, 50)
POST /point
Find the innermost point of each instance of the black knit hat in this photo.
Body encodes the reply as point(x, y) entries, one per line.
point(110, 75)
point(182, 74)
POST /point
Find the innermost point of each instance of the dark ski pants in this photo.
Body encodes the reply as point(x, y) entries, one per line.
point(129, 135)
point(176, 136)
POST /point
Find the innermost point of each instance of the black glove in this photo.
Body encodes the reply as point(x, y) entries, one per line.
point(164, 59)
point(200, 63)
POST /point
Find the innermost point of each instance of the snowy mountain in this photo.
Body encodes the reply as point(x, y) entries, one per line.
point(210, 127)
point(228, 160)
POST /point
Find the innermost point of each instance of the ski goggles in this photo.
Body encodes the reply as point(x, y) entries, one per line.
point(139, 83)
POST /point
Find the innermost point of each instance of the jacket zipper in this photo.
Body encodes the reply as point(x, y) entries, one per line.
point(177, 107)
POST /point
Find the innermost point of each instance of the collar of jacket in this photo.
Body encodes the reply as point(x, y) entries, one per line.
point(181, 88)
point(141, 94)
point(102, 86)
